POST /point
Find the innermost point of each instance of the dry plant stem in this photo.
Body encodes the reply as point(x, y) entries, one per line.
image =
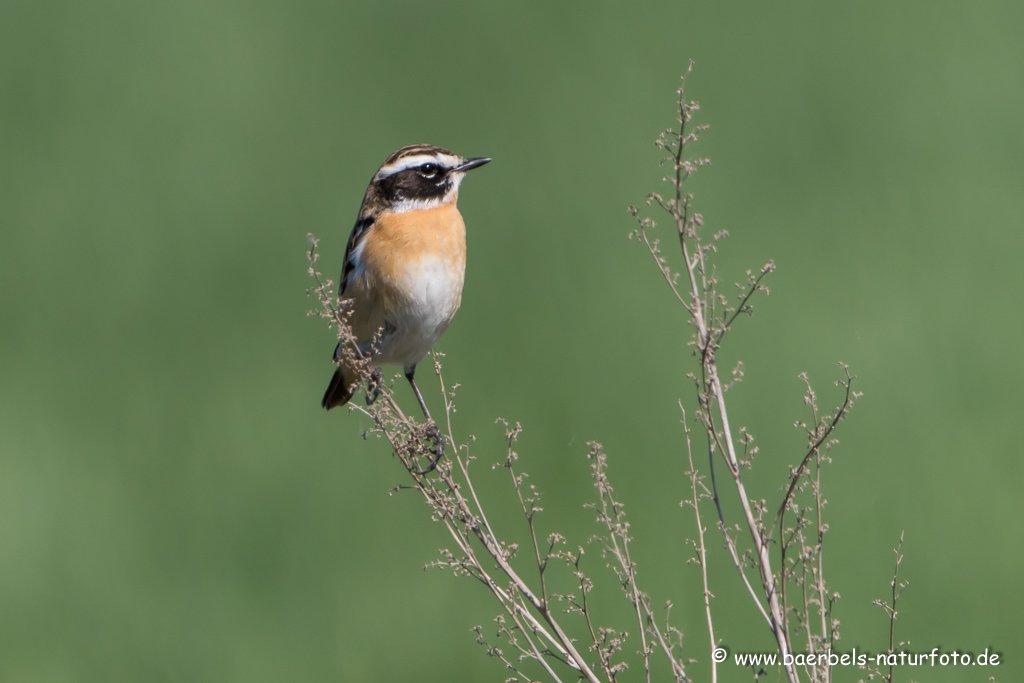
point(815, 447)
point(495, 652)
point(611, 514)
point(515, 610)
point(897, 588)
point(585, 586)
point(560, 641)
point(702, 556)
point(823, 612)
point(486, 536)
point(729, 541)
point(457, 525)
point(630, 568)
point(713, 436)
point(708, 361)
point(811, 556)
point(463, 519)
point(698, 307)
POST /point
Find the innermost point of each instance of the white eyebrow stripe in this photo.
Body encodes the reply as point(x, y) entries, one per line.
point(446, 160)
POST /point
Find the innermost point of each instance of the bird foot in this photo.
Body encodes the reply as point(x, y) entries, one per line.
point(373, 386)
point(433, 433)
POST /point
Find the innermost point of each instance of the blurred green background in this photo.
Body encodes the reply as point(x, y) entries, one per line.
point(175, 506)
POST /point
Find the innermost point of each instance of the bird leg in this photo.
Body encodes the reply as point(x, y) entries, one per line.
point(432, 431)
point(411, 375)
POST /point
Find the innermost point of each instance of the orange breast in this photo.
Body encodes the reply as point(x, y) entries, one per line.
point(400, 248)
point(401, 239)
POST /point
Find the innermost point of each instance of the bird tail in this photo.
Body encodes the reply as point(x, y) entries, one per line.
point(339, 391)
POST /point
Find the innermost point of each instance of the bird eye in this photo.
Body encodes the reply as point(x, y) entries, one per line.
point(428, 170)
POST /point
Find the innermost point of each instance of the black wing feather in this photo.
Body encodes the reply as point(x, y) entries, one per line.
point(359, 231)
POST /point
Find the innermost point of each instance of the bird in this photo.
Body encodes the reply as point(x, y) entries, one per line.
point(404, 267)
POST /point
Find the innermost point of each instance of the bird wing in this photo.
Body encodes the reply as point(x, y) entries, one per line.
point(355, 240)
point(352, 250)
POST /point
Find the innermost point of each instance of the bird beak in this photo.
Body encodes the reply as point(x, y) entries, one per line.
point(470, 164)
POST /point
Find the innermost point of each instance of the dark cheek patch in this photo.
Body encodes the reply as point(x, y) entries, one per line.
point(411, 185)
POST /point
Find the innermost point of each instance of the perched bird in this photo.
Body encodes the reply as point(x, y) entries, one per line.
point(404, 264)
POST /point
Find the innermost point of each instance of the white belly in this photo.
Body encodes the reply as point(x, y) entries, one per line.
point(432, 289)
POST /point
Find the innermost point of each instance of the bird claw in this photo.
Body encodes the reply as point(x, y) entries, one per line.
point(373, 386)
point(432, 432)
